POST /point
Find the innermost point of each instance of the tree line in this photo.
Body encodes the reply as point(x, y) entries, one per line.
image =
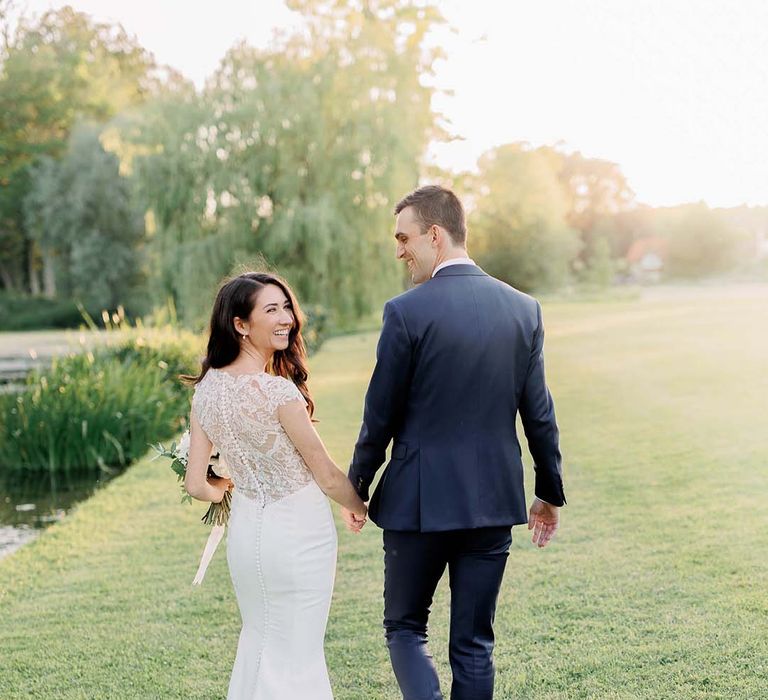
point(120, 183)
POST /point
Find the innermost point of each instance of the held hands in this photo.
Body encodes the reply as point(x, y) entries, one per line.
point(354, 520)
point(543, 519)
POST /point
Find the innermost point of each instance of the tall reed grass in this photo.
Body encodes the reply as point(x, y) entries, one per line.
point(100, 409)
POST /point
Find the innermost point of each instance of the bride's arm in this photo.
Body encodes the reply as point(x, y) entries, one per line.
point(333, 482)
point(195, 481)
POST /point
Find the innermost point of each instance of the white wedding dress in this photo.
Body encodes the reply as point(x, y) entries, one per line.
point(281, 541)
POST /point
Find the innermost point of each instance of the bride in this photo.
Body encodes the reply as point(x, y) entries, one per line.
point(251, 400)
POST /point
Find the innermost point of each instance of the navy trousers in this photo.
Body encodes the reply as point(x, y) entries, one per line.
point(414, 562)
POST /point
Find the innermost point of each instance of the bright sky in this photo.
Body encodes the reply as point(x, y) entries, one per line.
point(675, 91)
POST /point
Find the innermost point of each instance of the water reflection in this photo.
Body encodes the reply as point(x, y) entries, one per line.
point(29, 503)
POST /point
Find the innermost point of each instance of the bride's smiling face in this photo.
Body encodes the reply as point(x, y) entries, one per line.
point(268, 326)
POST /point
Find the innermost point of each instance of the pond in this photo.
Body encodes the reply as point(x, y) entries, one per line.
point(29, 505)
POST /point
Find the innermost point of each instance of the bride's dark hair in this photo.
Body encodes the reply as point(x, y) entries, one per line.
point(236, 299)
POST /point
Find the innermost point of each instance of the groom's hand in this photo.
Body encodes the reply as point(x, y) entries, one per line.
point(543, 519)
point(353, 523)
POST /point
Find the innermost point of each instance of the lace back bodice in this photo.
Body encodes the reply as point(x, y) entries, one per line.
point(239, 415)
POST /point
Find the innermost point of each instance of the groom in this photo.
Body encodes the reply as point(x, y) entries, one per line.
point(460, 355)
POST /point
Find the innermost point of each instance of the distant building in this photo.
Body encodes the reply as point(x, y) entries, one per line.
point(646, 258)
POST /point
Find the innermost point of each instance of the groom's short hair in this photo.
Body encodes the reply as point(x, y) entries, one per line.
point(433, 204)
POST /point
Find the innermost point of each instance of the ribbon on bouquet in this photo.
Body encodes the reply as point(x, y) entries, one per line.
point(217, 532)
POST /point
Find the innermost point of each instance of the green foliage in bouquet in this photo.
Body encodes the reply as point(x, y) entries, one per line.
point(178, 465)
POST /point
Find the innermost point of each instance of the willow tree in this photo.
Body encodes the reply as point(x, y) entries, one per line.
point(296, 154)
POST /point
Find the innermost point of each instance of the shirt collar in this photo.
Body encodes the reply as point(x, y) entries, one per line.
point(453, 261)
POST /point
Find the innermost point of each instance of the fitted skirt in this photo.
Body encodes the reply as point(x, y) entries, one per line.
point(282, 560)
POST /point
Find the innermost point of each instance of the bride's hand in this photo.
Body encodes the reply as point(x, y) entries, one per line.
point(221, 483)
point(354, 520)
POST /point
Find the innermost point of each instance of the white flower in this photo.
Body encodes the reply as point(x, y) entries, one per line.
point(219, 465)
point(182, 451)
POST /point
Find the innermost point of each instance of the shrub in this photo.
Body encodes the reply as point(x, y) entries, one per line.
point(100, 409)
point(21, 313)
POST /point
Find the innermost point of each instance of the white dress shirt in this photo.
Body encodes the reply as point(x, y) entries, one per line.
point(453, 261)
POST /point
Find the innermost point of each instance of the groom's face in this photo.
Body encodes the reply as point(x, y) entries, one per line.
point(415, 247)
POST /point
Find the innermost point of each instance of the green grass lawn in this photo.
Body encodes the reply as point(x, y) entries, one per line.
point(656, 586)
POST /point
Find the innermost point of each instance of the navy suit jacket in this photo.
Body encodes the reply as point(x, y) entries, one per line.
point(458, 357)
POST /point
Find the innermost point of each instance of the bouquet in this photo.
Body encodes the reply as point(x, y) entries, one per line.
point(217, 514)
